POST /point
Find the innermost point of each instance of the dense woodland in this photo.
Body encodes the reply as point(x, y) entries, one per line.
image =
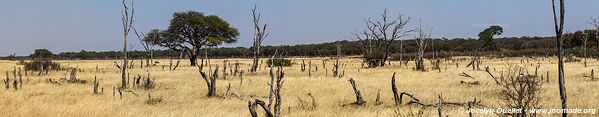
point(509, 47)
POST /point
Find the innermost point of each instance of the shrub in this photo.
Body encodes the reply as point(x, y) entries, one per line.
point(41, 64)
point(280, 62)
point(12, 57)
point(520, 90)
point(374, 59)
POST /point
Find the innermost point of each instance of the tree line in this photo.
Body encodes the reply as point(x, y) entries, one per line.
point(527, 46)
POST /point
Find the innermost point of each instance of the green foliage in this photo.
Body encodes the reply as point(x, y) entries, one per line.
point(374, 59)
point(192, 28)
point(487, 37)
point(12, 57)
point(40, 65)
point(577, 39)
point(279, 62)
point(42, 60)
point(374, 56)
point(41, 54)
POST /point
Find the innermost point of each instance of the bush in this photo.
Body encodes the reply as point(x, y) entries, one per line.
point(12, 57)
point(374, 59)
point(41, 64)
point(520, 90)
point(280, 62)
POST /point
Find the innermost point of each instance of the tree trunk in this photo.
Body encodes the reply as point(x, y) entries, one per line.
point(359, 99)
point(559, 30)
point(394, 89)
point(193, 59)
point(400, 52)
point(124, 67)
point(255, 61)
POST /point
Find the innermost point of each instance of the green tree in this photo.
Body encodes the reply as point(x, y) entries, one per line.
point(41, 54)
point(487, 37)
point(190, 31)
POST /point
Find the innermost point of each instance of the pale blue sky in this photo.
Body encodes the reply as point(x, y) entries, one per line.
point(73, 25)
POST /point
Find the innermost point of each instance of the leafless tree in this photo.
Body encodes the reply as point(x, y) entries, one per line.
point(276, 84)
point(595, 23)
point(559, 28)
point(336, 65)
point(127, 21)
point(379, 34)
point(520, 90)
point(259, 36)
point(252, 108)
point(146, 45)
point(401, 52)
point(210, 81)
point(396, 98)
point(359, 98)
point(421, 42)
point(584, 45)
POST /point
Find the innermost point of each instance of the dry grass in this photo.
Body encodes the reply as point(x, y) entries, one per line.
point(183, 91)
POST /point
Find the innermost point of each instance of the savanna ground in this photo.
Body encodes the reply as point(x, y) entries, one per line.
point(183, 91)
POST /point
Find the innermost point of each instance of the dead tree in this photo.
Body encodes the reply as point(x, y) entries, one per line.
point(225, 69)
point(336, 65)
point(210, 81)
point(584, 45)
point(401, 52)
point(413, 99)
point(7, 81)
point(273, 78)
point(488, 71)
point(96, 84)
point(303, 66)
point(520, 90)
point(252, 108)
point(440, 106)
point(595, 24)
point(146, 45)
point(359, 99)
point(420, 41)
point(274, 92)
point(277, 93)
point(559, 27)
point(396, 97)
point(15, 82)
point(259, 36)
point(379, 34)
point(127, 22)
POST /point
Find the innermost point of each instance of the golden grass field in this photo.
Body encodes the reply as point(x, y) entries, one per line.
point(184, 91)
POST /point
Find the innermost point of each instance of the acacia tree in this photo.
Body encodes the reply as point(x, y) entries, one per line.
point(487, 37)
point(127, 21)
point(379, 34)
point(559, 28)
point(191, 30)
point(259, 36)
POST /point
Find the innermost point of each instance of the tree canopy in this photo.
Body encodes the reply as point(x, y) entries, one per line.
point(41, 54)
point(487, 37)
point(191, 30)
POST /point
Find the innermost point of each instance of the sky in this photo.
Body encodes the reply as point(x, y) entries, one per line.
point(74, 25)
